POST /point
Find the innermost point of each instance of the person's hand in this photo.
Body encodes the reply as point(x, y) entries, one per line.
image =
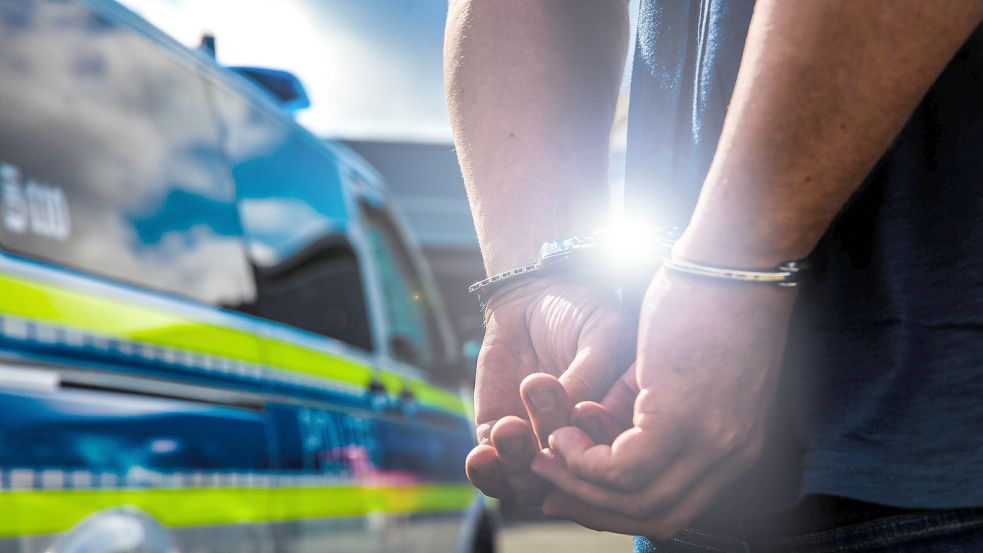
point(708, 353)
point(602, 422)
point(562, 327)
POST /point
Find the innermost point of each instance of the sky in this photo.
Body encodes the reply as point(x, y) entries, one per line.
point(372, 68)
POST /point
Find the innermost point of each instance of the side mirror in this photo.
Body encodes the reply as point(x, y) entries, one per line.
point(284, 86)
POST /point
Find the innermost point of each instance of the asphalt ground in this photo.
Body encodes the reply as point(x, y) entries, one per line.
point(559, 537)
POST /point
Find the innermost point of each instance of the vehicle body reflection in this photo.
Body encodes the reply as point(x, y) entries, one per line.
point(211, 322)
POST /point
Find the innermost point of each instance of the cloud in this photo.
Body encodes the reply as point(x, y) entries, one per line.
point(117, 133)
point(372, 68)
point(280, 227)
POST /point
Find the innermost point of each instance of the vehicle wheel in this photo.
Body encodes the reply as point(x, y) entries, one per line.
point(120, 530)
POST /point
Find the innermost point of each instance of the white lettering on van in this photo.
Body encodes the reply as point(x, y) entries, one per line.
point(33, 205)
point(14, 204)
point(49, 210)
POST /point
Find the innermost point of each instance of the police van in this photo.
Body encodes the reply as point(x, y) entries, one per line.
point(214, 335)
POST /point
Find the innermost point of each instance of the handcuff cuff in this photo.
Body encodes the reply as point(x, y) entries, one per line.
point(652, 249)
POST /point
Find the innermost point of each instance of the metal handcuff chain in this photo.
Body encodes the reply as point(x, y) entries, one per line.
point(656, 249)
point(552, 255)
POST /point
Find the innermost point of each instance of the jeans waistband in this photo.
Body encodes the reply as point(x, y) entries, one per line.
point(823, 524)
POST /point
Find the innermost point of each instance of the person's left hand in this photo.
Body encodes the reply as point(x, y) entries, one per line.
point(555, 325)
point(708, 353)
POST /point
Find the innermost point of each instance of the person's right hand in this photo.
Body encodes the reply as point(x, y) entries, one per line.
point(559, 326)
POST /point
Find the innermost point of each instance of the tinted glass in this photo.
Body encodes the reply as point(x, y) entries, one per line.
point(112, 160)
point(293, 210)
point(410, 331)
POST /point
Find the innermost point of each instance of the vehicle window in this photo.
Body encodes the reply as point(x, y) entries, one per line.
point(110, 158)
point(411, 331)
point(292, 208)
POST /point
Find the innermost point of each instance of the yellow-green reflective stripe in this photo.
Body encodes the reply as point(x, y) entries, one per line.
point(303, 503)
point(299, 359)
point(430, 395)
point(98, 315)
point(53, 511)
point(424, 393)
point(115, 319)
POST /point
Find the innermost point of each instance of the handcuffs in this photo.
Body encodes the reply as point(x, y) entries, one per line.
point(651, 249)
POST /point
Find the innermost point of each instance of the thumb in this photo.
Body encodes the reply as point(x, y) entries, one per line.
point(592, 371)
point(597, 422)
point(619, 402)
point(547, 403)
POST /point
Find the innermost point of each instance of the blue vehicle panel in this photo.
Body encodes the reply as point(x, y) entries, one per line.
point(211, 327)
point(138, 440)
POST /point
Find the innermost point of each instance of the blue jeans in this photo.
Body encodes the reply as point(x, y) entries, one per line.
point(837, 526)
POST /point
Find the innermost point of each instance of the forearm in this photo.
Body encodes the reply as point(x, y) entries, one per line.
point(532, 86)
point(824, 88)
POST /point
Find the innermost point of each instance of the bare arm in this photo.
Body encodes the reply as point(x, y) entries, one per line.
point(532, 87)
point(824, 88)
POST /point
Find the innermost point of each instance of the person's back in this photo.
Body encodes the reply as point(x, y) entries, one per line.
point(884, 373)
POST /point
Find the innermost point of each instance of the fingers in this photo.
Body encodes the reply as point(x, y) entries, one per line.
point(661, 526)
point(516, 446)
point(547, 404)
point(594, 369)
point(513, 442)
point(483, 432)
point(597, 422)
point(512, 438)
point(500, 465)
point(485, 472)
point(634, 458)
point(646, 500)
point(620, 399)
point(551, 468)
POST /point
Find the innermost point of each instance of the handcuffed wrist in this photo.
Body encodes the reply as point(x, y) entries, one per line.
point(599, 257)
point(787, 274)
point(749, 264)
point(610, 259)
